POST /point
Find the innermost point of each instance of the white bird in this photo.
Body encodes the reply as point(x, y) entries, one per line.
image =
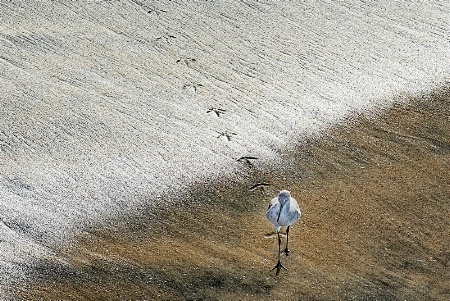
point(283, 211)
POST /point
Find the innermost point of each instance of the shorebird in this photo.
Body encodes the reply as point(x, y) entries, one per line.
point(283, 211)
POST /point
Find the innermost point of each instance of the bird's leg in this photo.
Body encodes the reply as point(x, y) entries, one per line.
point(286, 250)
point(279, 265)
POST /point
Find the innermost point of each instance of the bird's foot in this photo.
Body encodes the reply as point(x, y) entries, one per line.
point(278, 267)
point(287, 251)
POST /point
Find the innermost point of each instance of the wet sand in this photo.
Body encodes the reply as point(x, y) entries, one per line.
point(376, 225)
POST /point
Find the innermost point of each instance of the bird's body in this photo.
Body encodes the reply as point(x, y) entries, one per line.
point(283, 211)
point(290, 212)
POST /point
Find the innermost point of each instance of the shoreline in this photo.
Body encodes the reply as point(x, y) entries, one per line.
point(375, 202)
point(107, 104)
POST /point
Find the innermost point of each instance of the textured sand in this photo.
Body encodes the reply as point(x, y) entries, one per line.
point(110, 109)
point(376, 202)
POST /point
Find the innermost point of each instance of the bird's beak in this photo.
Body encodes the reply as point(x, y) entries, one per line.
point(279, 212)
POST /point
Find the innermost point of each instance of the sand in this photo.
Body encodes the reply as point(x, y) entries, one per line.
point(112, 112)
point(375, 199)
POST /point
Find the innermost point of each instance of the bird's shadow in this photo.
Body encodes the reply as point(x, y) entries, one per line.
point(274, 235)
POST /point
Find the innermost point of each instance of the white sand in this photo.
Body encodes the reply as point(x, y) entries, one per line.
point(103, 104)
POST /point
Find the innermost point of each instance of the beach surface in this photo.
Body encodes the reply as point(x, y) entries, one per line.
point(375, 226)
point(112, 113)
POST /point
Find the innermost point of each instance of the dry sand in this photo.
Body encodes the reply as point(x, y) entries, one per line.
point(376, 202)
point(104, 104)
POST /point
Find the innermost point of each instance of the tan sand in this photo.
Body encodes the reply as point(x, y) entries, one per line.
point(375, 196)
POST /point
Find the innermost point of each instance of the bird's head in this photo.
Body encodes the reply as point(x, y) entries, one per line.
point(283, 198)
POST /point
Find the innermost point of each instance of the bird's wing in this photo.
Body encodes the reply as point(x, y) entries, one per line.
point(272, 203)
point(295, 206)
